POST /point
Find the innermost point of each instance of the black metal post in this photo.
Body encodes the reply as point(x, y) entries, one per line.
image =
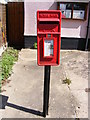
point(46, 90)
point(49, 69)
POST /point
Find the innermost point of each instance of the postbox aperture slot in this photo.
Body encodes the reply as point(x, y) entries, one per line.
point(48, 45)
point(49, 22)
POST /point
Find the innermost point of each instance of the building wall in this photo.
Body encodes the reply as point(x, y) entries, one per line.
point(30, 15)
point(74, 28)
point(3, 40)
point(0, 25)
point(70, 28)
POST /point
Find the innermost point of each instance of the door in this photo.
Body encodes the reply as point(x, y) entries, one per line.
point(15, 28)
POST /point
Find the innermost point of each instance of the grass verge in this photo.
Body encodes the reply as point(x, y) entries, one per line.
point(7, 60)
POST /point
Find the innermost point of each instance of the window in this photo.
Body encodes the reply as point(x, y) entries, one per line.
point(73, 10)
point(66, 10)
point(78, 11)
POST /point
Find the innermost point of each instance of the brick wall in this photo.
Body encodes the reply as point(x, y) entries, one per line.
point(3, 40)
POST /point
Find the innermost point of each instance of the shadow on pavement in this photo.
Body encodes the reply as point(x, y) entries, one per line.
point(3, 103)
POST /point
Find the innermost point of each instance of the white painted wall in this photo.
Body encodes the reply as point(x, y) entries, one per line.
point(3, 2)
point(74, 28)
point(70, 28)
point(30, 15)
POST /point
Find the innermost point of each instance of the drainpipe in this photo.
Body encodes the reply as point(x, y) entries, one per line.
point(87, 34)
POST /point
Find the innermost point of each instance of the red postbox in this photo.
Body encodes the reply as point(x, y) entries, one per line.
point(48, 37)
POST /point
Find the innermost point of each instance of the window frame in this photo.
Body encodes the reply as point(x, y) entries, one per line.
point(85, 14)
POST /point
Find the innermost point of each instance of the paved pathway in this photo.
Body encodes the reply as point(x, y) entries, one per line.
point(25, 90)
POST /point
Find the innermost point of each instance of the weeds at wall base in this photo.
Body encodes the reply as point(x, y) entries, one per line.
point(9, 57)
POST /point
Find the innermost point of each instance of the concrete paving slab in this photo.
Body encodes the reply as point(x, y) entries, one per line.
point(25, 90)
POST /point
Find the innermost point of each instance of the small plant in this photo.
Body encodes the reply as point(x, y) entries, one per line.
point(6, 63)
point(67, 81)
point(35, 45)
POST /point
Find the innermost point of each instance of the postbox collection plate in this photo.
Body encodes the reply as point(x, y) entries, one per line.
point(48, 37)
point(48, 45)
